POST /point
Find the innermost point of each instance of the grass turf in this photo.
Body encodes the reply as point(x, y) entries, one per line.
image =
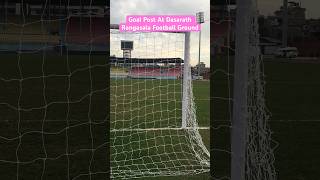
point(291, 94)
point(154, 104)
point(47, 83)
point(53, 116)
point(292, 97)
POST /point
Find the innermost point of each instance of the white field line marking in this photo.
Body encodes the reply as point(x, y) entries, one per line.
point(159, 129)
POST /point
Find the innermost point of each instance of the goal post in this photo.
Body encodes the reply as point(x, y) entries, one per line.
point(186, 80)
point(252, 154)
point(154, 128)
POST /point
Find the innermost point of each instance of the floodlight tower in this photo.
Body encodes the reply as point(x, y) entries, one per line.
point(200, 20)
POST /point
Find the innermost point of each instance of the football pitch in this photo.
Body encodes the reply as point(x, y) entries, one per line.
point(139, 109)
point(37, 128)
point(293, 100)
point(53, 116)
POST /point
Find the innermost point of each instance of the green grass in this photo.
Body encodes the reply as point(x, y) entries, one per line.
point(62, 104)
point(143, 104)
point(292, 97)
point(292, 93)
point(58, 115)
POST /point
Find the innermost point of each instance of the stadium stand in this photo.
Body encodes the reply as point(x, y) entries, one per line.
point(146, 68)
point(81, 27)
point(156, 72)
point(86, 34)
point(30, 25)
point(114, 60)
point(29, 30)
point(80, 31)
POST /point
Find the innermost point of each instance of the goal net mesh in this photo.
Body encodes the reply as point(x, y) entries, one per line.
point(259, 155)
point(147, 94)
point(258, 143)
point(53, 94)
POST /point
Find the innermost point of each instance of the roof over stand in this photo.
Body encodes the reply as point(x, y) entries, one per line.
point(145, 60)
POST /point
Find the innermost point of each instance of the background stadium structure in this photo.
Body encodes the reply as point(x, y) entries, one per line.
point(59, 24)
point(147, 68)
point(154, 127)
point(54, 94)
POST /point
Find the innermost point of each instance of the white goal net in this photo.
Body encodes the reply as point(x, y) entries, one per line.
point(154, 129)
point(53, 90)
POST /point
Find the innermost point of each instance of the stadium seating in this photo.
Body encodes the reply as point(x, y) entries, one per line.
point(11, 38)
point(29, 26)
point(156, 73)
point(29, 30)
point(79, 30)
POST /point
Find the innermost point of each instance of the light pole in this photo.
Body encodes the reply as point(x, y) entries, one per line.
point(200, 20)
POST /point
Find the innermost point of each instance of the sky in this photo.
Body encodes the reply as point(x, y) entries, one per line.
point(120, 8)
point(267, 7)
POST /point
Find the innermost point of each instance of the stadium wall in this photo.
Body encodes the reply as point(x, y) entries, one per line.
point(33, 47)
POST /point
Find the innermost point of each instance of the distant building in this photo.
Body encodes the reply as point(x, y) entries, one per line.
point(302, 33)
point(296, 14)
point(204, 71)
point(270, 27)
point(268, 45)
point(296, 21)
point(201, 67)
point(312, 29)
point(310, 45)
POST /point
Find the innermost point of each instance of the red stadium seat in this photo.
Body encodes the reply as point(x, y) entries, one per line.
point(155, 72)
point(86, 30)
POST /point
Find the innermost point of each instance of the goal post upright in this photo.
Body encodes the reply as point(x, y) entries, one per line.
point(149, 102)
point(186, 76)
point(240, 106)
point(186, 80)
